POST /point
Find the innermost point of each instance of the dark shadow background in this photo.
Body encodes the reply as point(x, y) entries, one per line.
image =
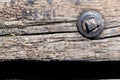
point(59, 70)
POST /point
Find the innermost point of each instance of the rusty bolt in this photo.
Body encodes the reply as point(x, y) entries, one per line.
point(90, 24)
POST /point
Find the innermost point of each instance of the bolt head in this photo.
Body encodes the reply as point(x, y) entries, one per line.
point(90, 24)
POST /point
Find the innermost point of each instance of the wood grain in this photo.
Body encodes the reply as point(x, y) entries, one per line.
point(46, 30)
point(65, 46)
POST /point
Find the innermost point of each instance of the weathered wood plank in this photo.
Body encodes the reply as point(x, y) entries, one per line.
point(44, 30)
point(67, 46)
point(60, 7)
point(57, 10)
point(61, 27)
point(109, 31)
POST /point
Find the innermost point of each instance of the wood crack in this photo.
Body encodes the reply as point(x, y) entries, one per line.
point(107, 37)
point(49, 32)
point(22, 25)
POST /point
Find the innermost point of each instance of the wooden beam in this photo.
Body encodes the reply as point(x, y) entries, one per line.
point(43, 30)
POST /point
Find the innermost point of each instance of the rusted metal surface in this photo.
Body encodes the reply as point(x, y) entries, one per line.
point(90, 24)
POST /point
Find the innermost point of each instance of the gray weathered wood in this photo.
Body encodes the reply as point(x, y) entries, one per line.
point(43, 30)
point(66, 46)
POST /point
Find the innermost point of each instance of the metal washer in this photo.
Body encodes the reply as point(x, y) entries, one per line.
point(92, 34)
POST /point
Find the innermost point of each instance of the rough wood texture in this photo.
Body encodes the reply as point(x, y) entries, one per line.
point(46, 30)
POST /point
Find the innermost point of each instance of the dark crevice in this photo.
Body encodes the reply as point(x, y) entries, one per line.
point(41, 33)
point(48, 33)
point(107, 37)
point(34, 24)
point(112, 27)
point(34, 61)
point(99, 38)
point(45, 33)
